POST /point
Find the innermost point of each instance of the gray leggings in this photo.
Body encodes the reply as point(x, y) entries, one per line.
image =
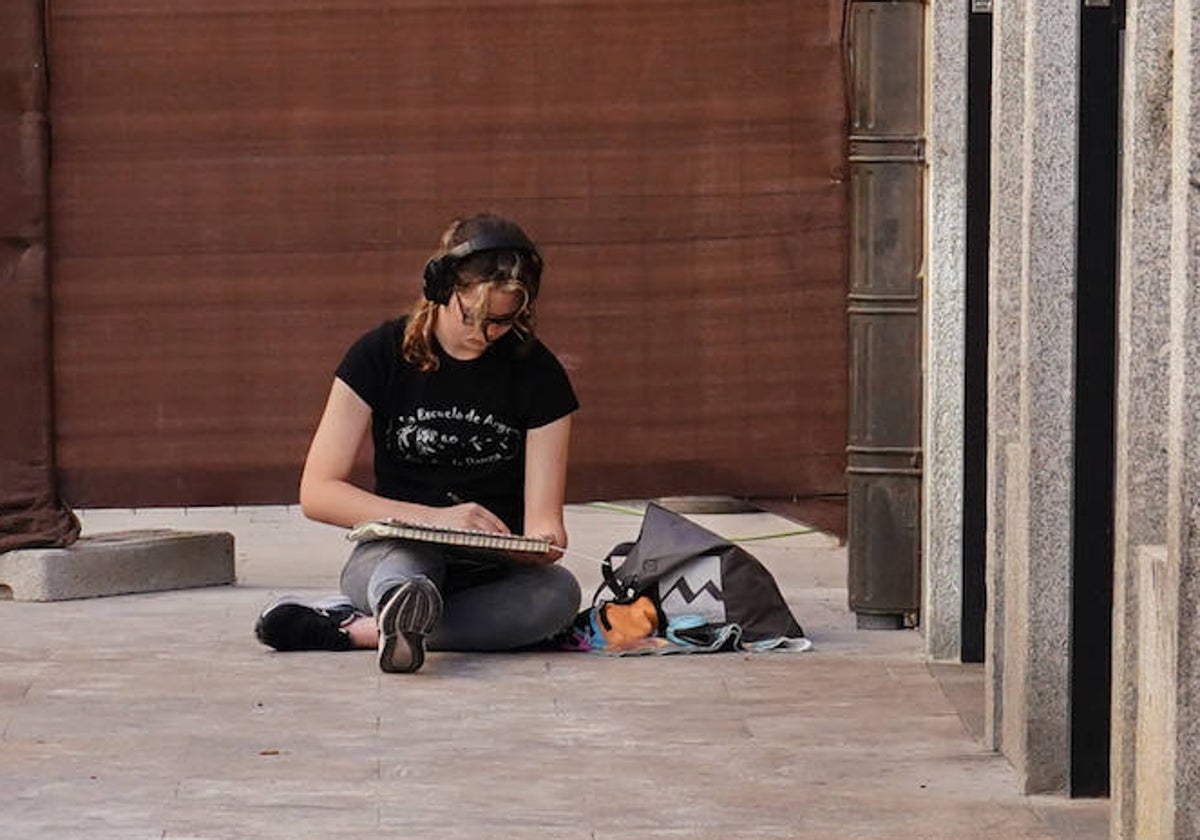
point(490, 602)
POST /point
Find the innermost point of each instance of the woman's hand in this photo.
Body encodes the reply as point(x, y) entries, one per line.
point(467, 516)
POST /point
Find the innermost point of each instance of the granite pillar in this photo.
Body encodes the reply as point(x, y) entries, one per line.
point(1031, 382)
point(1142, 397)
point(945, 332)
point(1156, 678)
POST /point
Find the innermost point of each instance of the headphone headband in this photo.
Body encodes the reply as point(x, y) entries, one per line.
point(439, 277)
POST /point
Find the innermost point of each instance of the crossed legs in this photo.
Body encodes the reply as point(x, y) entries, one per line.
point(489, 602)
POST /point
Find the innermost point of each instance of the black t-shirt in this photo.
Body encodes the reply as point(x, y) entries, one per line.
point(456, 433)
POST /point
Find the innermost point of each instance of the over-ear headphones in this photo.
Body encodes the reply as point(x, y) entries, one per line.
point(439, 271)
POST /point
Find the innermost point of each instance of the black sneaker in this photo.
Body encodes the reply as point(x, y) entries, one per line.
point(406, 616)
point(292, 624)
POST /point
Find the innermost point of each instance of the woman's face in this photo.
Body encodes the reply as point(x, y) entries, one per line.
point(466, 327)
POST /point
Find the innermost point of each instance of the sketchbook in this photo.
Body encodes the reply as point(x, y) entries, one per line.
point(394, 529)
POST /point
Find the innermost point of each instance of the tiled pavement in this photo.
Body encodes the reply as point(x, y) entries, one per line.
point(159, 716)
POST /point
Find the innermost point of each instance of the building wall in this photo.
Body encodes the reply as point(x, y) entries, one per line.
point(240, 190)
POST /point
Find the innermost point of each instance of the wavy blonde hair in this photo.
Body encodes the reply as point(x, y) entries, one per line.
point(507, 270)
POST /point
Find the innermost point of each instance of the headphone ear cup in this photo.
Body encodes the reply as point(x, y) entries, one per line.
point(438, 281)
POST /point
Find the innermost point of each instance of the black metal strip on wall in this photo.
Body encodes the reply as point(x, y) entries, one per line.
point(1095, 394)
point(975, 403)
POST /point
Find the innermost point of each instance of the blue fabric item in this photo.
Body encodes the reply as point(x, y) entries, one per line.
point(683, 622)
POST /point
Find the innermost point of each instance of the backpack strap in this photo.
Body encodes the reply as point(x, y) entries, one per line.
point(623, 593)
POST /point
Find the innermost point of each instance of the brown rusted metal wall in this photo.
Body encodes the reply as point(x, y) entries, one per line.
point(31, 513)
point(241, 188)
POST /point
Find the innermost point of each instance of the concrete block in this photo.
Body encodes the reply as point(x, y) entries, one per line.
point(119, 563)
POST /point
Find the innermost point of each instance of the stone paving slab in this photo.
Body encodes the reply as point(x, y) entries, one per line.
point(159, 716)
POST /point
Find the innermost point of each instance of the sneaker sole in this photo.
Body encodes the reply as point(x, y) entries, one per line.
point(404, 622)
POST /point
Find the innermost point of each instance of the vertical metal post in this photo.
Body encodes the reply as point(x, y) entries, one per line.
point(886, 156)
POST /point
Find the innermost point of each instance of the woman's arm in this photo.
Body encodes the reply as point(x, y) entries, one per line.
point(327, 495)
point(546, 450)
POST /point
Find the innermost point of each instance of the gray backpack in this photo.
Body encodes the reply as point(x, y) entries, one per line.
point(697, 580)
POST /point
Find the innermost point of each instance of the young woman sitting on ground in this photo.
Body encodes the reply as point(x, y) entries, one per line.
point(470, 417)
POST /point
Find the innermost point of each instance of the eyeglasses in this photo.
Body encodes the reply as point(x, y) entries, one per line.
point(501, 323)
